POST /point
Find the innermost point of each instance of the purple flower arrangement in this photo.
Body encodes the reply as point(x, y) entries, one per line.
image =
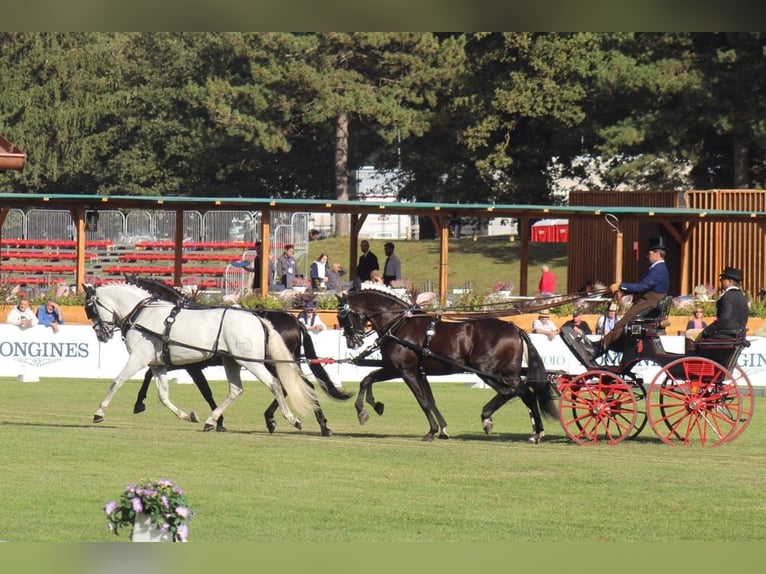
point(162, 500)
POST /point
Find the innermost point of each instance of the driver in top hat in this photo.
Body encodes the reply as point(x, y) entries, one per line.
point(731, 309)
point(647, 292)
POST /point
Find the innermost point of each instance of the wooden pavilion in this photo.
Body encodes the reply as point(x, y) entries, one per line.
point(614, 225)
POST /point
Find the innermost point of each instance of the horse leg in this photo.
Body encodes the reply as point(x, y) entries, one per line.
point(489, 409)
point(538, 432)
point(365, 393)
point(321, 419)
point(271, 424)
point(426, 386)
point(199, 378)
point(140, 407)
point(130, 368)
point(235, 389)
point(162, 390)
point(414, 382)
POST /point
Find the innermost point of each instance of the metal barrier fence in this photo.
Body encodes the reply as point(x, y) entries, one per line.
point(132, 226)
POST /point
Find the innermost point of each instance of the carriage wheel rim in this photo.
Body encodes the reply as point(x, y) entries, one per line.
point(597, 407)
point(694, 400)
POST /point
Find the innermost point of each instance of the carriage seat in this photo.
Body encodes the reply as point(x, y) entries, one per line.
point(659, 311)
point(652, 321)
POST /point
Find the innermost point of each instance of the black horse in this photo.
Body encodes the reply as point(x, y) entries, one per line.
point(414, 344)
point(294, 333)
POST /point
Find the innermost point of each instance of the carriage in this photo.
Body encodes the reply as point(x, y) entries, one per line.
point(700, 396)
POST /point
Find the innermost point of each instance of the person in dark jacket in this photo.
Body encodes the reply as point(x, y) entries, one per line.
point(731, 309)
point(647, 293)
point(368, 262)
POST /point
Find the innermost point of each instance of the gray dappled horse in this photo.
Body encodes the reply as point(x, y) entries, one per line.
point(159, 333)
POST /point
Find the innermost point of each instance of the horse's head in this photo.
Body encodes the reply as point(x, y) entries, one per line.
point(352, 322)
point(108, 306)
point(93, 310)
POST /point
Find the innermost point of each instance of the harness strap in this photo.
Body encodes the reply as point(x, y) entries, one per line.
point(169, 321)
point(430, 332)
point(130, 319)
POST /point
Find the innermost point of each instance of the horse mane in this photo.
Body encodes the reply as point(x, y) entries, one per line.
point(129, 286)
point(370, 286)
point(159, 289)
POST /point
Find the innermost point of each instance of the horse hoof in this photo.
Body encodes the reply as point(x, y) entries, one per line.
point(487, 424)
point(298, 424)
point(326, 432)
point(220, 428)
point(534, 439)
point(208, 427)
point(379, 408)
point(363, 417)
point(139, 408)
point(271, 425)
point(193, 417)
point(428, 438)
point(98, 419)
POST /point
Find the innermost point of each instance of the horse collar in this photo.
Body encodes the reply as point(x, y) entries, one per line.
point(131, 317)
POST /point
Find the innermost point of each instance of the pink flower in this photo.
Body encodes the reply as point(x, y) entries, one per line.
point(110, 506)
point(182, 511)
point(136, 504)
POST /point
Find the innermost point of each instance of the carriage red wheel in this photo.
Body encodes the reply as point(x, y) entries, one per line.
point(597, 406)
point(695, 400)
point(748, 401)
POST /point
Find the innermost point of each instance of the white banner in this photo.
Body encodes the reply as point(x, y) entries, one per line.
point(74, 352)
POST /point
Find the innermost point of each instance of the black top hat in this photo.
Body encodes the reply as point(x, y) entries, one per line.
point(657, 243)
point(310, 306)
point(732, 273)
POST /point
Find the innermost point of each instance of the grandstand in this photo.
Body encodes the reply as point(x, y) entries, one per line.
point(37, 247)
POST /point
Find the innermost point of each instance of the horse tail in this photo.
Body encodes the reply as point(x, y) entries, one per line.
point(301, 396)
point(537, 379)
point(318, 370)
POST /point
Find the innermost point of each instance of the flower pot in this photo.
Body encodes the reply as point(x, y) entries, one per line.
point(145, 531)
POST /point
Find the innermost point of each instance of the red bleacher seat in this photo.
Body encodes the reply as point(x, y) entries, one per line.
point(43, 255)
point(13, 267)
point(25, 280)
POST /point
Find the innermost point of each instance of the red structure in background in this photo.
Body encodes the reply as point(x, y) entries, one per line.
point(11, 157)
point(551, 231)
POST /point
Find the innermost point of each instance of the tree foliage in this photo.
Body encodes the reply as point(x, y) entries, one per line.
point(465, 117)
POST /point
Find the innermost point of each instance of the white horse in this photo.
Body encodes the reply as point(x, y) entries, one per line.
point(158, 334)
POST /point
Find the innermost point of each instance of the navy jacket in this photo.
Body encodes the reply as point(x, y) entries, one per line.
point(656, 279)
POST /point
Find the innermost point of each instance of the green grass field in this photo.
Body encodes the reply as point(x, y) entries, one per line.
point(377, 483)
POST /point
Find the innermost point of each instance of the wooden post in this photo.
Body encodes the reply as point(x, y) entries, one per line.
point(618, 258)
point(265, 251)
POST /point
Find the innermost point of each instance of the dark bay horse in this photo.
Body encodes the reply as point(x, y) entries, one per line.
point(414, 344)
point(294, 333)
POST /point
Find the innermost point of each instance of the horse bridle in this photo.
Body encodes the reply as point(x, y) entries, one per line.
point(347, 315)
point(105, 329)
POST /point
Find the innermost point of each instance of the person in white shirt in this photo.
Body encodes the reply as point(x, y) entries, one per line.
point(318, 272)
point(606, 322)
point(22, 315)
point(544, 326)
point(310, 318)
